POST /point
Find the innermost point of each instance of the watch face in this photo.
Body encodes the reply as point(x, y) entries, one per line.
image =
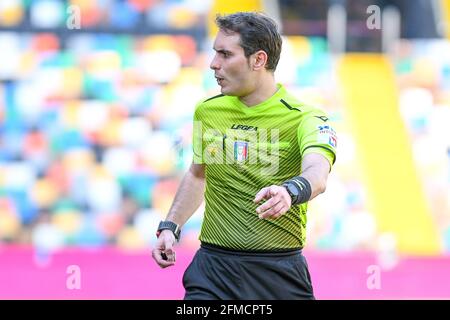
point(169, 225)
point(292, 190)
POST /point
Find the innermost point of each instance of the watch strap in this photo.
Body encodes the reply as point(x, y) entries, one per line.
point(169, 225)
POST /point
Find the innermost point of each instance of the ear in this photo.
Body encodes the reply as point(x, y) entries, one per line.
point(259, 60)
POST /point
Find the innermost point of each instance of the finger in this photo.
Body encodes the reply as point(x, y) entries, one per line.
point(278, 212)
point(164, 264)
point(261, 195)
point(267, 205)
point(163, 255)
point(170, 253)
point(269, 211)
point(156, 254)
point(272, 211)
point(273, 191)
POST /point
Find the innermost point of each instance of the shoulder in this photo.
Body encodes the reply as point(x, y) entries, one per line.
point(290, 101)
point(303, 110)
point(207, 103)
point(218, 96)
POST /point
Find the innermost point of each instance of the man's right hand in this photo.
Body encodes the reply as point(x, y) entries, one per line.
point(164, 245)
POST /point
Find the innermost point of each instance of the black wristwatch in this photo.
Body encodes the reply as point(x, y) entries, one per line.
point(169, 225)
point(292, 191)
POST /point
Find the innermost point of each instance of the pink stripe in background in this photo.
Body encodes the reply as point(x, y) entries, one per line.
point(109, 273)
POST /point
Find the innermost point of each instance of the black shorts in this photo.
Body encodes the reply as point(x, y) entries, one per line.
point(218, 274)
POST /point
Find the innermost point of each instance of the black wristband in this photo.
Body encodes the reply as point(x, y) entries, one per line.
point(303, 187)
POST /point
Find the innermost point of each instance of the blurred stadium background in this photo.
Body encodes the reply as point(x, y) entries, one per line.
point(95, 135)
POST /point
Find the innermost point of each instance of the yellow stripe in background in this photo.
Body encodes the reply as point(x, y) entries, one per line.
point(230, 6)
point(395, 193)
point(446, 14)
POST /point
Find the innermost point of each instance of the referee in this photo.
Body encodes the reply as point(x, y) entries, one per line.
point(259, 156)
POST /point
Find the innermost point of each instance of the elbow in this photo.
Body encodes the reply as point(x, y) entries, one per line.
point(322, 183)
point(322, 186)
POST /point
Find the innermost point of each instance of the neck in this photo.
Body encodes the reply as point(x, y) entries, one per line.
point(264, 89)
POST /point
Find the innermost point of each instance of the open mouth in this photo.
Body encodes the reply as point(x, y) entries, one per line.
point(219, 80)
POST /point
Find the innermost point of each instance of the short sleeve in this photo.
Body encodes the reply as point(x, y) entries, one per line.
point(316, 135)
point(197, 138)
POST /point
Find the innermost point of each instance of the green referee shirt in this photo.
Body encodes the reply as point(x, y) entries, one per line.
point(248, 148)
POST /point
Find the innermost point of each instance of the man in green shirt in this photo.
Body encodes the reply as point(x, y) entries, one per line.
point(259, 156)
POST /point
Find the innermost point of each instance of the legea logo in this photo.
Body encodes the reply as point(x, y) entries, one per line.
point(241, 145)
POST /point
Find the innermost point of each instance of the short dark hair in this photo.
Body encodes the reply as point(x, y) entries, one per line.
point(257, 32)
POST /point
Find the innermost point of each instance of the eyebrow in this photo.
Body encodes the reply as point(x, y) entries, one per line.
point(222, 51)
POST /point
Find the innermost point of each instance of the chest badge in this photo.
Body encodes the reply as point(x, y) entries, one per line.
point(240, 151)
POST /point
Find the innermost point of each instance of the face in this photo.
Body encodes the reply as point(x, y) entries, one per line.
point(231, 67)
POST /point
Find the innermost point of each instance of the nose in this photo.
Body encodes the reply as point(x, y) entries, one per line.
point(215, 63)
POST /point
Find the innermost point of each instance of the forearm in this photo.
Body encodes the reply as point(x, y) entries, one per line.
point(188, 198)
point(312, 180)
point(316, 178)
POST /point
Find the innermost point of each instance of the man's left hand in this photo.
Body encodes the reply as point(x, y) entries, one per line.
point(278, 202)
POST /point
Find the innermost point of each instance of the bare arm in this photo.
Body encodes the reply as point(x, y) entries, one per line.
point(315, 169)
point(188, 198)
point(189, 195)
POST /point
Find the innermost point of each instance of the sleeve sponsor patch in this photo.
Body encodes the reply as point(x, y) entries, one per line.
point(327, 135)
